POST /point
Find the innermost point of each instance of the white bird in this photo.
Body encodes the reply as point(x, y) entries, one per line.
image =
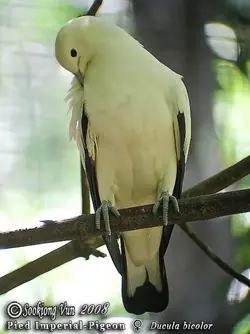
point(131, 121)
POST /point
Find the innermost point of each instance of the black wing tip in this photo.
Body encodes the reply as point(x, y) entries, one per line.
point(146, 299)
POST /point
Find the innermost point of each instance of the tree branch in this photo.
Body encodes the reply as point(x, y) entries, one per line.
point(221, 180)
point(191, 209)
point(61, 255)
point(213, 184)
point(64, 254)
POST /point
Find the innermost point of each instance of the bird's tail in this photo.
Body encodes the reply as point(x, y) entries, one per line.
point(145, 286)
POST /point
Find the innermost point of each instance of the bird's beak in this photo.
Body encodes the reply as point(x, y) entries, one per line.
point(79, 77)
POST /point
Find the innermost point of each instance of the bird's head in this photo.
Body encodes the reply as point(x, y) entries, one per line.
point(84, 38)
point(72, 49)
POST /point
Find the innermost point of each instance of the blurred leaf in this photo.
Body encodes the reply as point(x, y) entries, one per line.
point(243, 327)
point(61, 11)
point(243, 251)
point(248, 67)
point(228, 76)
point(118, 310)
point(231, 111)
point(238, 226)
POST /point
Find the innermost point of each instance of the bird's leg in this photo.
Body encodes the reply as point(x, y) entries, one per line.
point(104, 210)
point(163, 201)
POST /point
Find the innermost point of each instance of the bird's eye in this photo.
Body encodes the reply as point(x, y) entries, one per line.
point(73, 53)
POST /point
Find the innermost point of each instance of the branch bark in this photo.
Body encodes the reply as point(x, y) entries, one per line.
point(221, 180)
point(191, 209)
point(64, 254)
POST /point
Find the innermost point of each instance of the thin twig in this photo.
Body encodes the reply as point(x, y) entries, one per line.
point(84, 191)
point(94, 8)
point(215, 258)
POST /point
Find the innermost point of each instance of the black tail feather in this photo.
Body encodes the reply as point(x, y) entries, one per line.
point(146, 297)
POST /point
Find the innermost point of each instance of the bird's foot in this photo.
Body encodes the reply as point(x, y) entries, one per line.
point(104, 210)
point(163, 201)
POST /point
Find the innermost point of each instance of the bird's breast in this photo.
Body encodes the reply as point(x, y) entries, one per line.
point(134, 126)
point(134, 151)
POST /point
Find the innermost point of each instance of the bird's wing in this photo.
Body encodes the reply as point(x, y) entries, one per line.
point(140, 282)
point(90, 169)
point(182, 135)
point(79, 131)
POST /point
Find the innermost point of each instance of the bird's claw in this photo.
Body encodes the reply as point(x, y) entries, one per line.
point(164, 200)
point(104, 210)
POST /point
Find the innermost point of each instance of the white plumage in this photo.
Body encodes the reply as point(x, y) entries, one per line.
point(131, 102)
